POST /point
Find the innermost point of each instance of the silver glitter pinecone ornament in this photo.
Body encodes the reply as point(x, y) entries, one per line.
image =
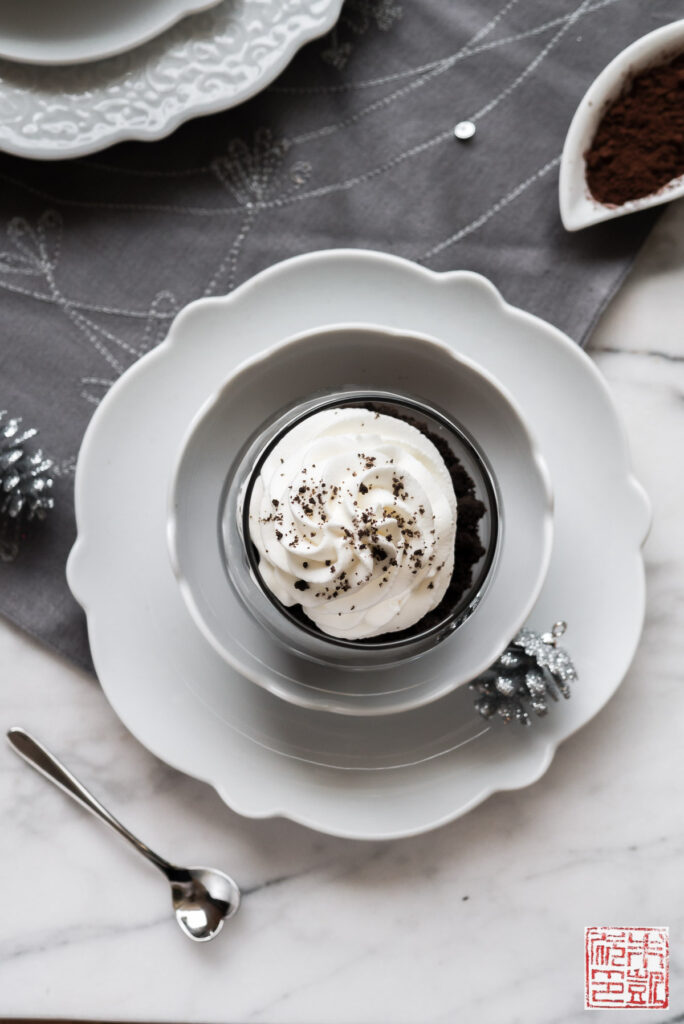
point(532, 669)
point(25, 474)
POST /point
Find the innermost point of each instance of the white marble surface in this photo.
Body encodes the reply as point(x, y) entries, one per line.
point(481, 921)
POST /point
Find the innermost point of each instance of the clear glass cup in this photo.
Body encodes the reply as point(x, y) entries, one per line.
point(299, 634)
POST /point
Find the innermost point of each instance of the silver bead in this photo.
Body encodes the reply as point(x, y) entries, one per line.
point(464, 130)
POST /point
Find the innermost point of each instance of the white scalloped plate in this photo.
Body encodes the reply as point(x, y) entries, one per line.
point(206, 63)
point(75, 31)
point(578, 208)
point(394, 775)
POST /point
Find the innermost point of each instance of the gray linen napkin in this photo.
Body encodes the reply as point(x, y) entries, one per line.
point(352, 146)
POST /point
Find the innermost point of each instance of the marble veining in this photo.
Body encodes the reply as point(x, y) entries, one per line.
point(480, 921)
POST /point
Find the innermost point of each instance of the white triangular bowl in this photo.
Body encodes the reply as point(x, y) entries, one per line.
point(578, 208)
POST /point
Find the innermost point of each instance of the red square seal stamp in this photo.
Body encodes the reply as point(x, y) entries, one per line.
point(626, 968)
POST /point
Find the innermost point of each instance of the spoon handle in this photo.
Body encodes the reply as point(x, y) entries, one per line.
point(47, 764)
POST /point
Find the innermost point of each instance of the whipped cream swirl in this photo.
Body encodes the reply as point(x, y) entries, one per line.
point(354, 518)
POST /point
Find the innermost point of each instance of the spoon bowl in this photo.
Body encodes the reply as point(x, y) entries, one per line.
point(203, 899)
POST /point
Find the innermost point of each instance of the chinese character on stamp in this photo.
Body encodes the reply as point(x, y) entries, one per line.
point(626, 968)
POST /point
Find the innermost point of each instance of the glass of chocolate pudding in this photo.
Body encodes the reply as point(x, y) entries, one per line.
point(360, 528)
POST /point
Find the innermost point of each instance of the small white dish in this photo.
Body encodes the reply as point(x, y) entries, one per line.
point(203, 64)
point(61, 32)
point(401, 774)
point(578, 208)
point(373, 359)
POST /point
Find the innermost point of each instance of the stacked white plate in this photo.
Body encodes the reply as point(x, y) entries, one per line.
point(397, 771)
point(79, 75)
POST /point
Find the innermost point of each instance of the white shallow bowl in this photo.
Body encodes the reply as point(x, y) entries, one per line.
point(359, 777)
point(76, 31)
point(578, 208)
point(367, 358)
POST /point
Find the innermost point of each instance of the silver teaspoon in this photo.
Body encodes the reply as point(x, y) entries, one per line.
point(203, 898)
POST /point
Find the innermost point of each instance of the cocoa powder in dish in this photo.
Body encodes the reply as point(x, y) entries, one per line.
point(639, 145)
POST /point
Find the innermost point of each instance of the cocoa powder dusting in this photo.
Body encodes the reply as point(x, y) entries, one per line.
point(468, 549)
point(639, 145)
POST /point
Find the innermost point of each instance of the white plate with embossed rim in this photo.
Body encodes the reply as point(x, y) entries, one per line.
point(76, 31)
point(578, 208)
point(404, 773)
point(206, 63)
